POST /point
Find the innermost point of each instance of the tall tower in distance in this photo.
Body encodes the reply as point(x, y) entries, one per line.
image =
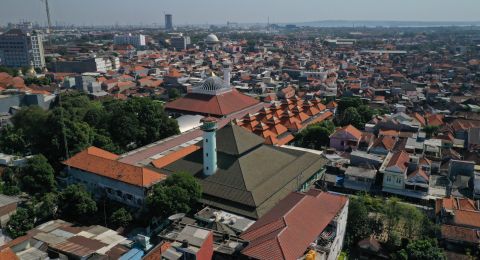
point(209, 128)
point(226, 73)
point(168, 22)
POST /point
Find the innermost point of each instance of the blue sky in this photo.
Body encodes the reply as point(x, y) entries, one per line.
point(220, 11)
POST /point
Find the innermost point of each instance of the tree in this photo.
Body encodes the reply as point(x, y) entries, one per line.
point(76, 203)
point(30, 120)
point(38, 176)
point(10, 182)
point(79, 136)
point(413, 221)
point(430, 130)
point(347, 102)
point(120, 218)
point(12, 141)
point(19, 223)
point(358, 223)
point(173, 93)
point(426, 249)
point(139, 121)
point(176, 195)
point(314, 137)
point(352, 117)
point(366, 113)
point(48, 206)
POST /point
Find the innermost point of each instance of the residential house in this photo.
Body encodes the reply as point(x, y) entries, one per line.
point(359, 179)
point(406, 175)
point(190, 243)
point(383, 145)
point(59, 239)
point(345, 138)
point(459, 220)
point(302, 224)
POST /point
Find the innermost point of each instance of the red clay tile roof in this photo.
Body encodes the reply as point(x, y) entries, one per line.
point(460, 234)
point(387, 142)
point(287, 230)
point(453, 203)
point(467, 218)
point(219, 105)
point(103, 163)
point(350, 129)
point(8, 254)
point(419, 118)
point(399, 159)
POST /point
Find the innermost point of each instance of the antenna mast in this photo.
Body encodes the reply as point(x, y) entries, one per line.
point(47, 9)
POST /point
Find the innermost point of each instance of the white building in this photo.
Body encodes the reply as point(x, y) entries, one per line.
point(136, 40)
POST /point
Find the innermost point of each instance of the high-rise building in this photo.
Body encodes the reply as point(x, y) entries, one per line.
point(135, 40)
point(168, 22)
point(180, 42)
point(20, 49)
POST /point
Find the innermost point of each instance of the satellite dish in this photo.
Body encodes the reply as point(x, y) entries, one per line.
point(176, 216)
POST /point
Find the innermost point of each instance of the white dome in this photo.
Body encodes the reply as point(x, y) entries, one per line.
point(212, 86)
point(211, 38)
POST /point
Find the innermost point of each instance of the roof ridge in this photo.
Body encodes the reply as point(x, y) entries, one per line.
point(243, 178)
point(277, 238)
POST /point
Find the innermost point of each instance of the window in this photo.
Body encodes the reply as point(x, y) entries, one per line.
point(119, 193)
point(207, 168)
point(206, 140)
point(389, 179)
point(206, 154)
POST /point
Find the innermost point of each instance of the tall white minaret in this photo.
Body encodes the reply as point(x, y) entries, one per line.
point(209, 127)
point(226, 73)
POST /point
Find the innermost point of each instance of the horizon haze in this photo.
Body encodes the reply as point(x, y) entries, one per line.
point(190, 12)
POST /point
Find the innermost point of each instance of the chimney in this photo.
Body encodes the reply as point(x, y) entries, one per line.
point(209, 128)
point(226, 73)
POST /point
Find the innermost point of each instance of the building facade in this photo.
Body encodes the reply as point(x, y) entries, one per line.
point(180, 42)
point(19, 49)
point(137, 40)
point(169, 22)
point(88, 65)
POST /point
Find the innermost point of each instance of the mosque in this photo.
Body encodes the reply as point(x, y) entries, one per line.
point(212, 97)
point(212, 42)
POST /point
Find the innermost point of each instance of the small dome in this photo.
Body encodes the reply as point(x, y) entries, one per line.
point(211, 38)
point(213, 83)
point(212, 86)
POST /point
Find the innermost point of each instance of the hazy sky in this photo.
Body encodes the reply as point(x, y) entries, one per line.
point(220, 11)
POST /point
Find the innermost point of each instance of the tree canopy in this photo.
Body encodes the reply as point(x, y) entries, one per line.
point(120, 218)
point(37, 176)
point(19, 223)
point(426, 249)
point(76, 203)
point(177, 194)
point(315, 136)
point(352, 111)
point(113, 125)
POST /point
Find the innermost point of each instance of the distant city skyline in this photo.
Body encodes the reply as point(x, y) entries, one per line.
point(148, 12)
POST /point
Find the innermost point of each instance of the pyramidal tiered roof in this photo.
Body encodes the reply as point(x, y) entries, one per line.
point(244, 183)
